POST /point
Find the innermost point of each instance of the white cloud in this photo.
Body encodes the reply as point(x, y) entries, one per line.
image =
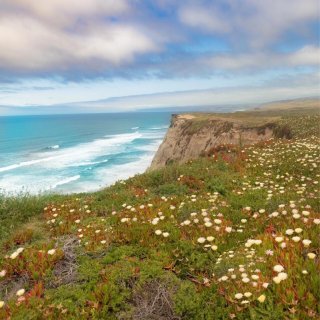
point(306, 56)
point(78, 39)
point(254, 22)
point(55, 35)
point(201, 17)
point(62, 12)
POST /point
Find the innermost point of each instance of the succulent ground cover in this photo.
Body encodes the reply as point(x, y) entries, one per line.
point(232, 235)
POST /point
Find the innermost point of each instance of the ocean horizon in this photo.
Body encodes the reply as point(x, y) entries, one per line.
point(76, 152)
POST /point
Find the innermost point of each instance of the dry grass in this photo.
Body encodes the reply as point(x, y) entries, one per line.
point(65, 271)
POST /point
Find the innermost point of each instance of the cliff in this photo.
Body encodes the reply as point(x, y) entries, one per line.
point(191, 135)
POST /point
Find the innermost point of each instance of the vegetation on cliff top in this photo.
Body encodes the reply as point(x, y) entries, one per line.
point(232, 235)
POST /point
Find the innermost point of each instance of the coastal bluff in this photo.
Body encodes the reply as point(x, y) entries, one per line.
point(191, 135)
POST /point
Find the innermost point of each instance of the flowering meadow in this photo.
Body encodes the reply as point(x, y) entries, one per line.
point(231, 235)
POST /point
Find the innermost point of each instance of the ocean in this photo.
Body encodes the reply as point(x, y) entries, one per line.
point(76, 153)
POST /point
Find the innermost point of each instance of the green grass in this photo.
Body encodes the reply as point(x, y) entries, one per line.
point(110, 263)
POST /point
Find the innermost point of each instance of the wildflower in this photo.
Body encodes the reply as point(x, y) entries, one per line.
point(247, 294)
point(298, 230)
point(265, 285)
point(214, 247)
point(1, 304)
point(278, 268)
point(208, 224)
point(296, 239)
point(262, 298)
point(245, 280)
point(238, 296)
point(155, 221)
point(316, 221)
point(165, 234)
point(289, 232)
point(3, 273)
point(77, 221)
point(14, 255)
point(311, 255)
point(20, 292)
point(158, 232)
point(228, 229)
point(282, 276)
point(51, 252)
point(245, 302)
point(217, 221)
point(19, 250)
point(269, 252)
point(276, 280)
point(210, 238)
point(304, 272)
point(201, 240)
point(279, 239)
point(306, 242)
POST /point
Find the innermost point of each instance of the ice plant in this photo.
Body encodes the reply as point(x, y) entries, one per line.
point(20, 292)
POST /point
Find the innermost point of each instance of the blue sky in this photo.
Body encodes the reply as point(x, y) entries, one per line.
point(131, 54)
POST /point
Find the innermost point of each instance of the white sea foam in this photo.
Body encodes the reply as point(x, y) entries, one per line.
point(151, 147)
point(34, 184)
point(88, 163)
point(109, 175)
point(64, 181)
point(56, 146)
point(81, 152)
point(57, 171)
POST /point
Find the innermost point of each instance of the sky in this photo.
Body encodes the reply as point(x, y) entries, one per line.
point(119, 55)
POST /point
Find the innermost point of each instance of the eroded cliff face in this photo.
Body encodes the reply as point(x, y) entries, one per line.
point(187, 139)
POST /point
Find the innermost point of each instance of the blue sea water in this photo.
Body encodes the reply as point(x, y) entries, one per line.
point(76, 153)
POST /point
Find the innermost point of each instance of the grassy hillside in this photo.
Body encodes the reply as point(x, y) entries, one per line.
point(269, 115)
point(232, 235)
